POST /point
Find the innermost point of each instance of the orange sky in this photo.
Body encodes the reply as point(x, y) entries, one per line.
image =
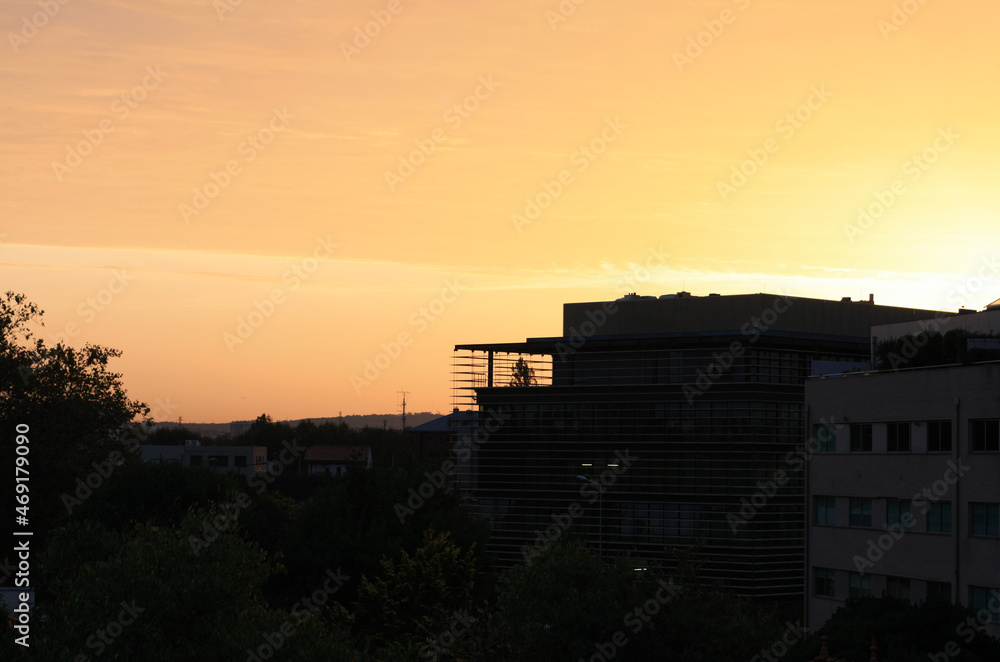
point(623, 121)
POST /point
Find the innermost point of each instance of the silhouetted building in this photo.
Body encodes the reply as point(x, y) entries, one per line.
point(336, 460)
point(689, 409)
point(432, 442)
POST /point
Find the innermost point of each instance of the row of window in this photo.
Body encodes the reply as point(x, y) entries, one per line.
point(984, 437)
point(860, 585)
point(984, 518)
point(219, 460)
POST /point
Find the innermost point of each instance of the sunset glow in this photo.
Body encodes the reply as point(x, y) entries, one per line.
point(256, 200)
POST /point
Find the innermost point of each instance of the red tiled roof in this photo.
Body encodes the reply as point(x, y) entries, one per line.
point(337, 453)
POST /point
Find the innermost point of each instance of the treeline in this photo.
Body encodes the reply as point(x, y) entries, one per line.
point(931, 348)
point(389, 446)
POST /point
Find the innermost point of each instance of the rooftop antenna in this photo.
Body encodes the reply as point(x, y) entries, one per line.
point(402, 406)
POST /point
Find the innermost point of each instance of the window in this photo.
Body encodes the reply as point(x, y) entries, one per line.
point(981, 598)
point(824, 583)
point(259, 459)
point(826, 435)
point(897, 512)
point(635, 520)
point(826, 511)
point(240, 460)
point(985, 519)
point(898, 437)
point(940, 590)
point(494, 511)
point(859, 585)
point(985, 435)
point(939, 517)
point(218, 460)
point(938, 436)
point(897, 587)
point(196, 460)
point(861, 437)
point(861, 512)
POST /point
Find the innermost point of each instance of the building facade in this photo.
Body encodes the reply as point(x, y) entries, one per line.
point(242, 460)
point(904, 486)
point(659, 423)
point(336, 461)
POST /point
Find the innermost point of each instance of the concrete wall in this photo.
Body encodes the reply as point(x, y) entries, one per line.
point(960, 476)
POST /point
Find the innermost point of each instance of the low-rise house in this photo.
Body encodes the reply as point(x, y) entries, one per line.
point(335, 460)
point(242, 460)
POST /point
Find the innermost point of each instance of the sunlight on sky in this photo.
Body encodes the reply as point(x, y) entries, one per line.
point(252, 200)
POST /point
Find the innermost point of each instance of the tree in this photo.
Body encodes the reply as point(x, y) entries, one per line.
point(522, 374)
point(904, 631)
point(414, 598)
point(75, 411)
point(570, 604)
point(148, 594)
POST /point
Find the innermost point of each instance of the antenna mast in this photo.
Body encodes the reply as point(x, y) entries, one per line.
point(402, 406)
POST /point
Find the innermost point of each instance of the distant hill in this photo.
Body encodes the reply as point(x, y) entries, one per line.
point(357, 421)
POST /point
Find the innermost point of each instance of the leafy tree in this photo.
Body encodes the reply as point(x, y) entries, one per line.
point(569, 604)
point(414, 598)
point(74, 407)
point(182, 604)
point(354, 522)
point(522, 374)
point(564, 601)
point(265, 432)
point(903, 631)
point(158, 493)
